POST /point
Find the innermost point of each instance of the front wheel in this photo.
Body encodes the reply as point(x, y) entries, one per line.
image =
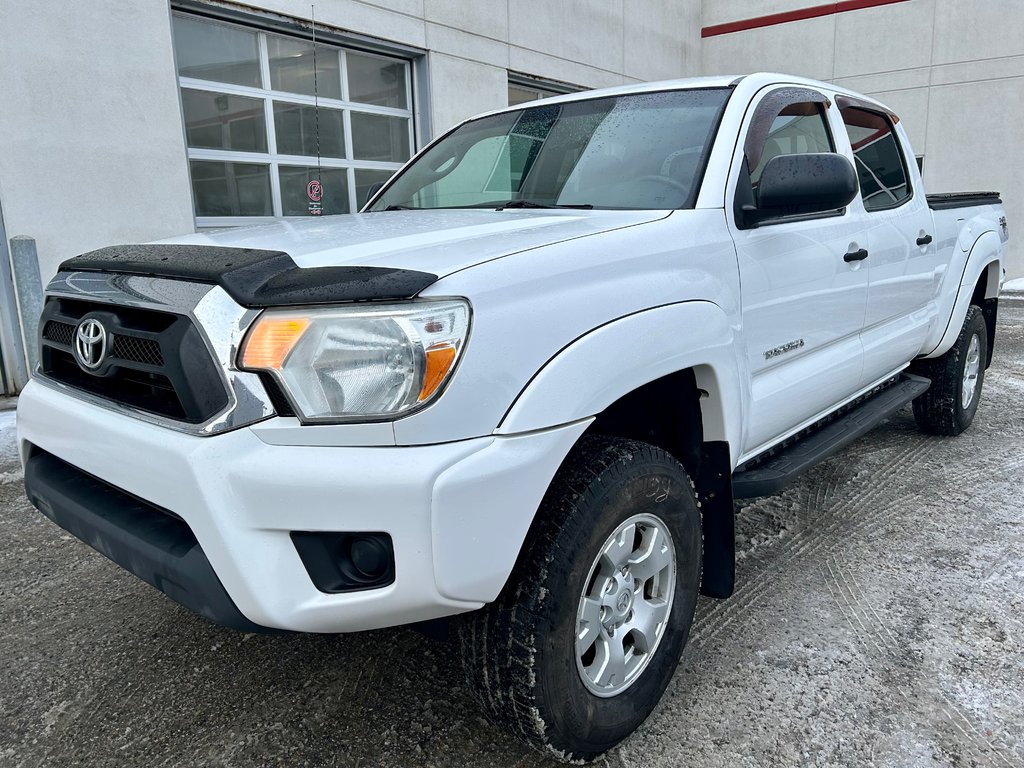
point(581, 644)
point(949, 405)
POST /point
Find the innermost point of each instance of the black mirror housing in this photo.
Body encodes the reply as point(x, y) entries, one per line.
point(376, 187)
point(791, 185)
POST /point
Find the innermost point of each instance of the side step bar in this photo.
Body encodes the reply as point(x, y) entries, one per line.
point(774, 473)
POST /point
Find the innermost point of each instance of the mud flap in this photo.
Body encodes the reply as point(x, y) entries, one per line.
point(714, 491)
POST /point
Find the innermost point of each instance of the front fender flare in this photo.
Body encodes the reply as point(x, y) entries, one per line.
point(598, 368)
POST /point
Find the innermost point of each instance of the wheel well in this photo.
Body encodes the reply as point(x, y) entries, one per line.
point(668, 413)
point(665, 413)
point(986, 296)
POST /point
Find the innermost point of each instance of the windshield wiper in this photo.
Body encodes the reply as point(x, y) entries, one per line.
point(400, 208)
point(532, 204)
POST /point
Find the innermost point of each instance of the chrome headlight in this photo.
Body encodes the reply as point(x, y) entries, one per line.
point(360, 362)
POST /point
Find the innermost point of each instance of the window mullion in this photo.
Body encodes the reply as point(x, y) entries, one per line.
point(275, 179)
point(353, 203)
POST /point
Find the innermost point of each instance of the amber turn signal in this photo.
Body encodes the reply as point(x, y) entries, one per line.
point(271, 340)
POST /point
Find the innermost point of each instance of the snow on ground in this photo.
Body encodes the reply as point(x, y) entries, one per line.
point(1016, 285)
point(10, 471)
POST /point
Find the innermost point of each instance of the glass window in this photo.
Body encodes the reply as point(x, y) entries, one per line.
point(639, 151)
point(209, 51)
point(291, 67)
point(798, 129)
point(522, 89)
point(222, 121)
point(296, 194)
point(376, 81)
point(379, 137)
point(357, 130)
point(231, 189)
point(879, 159)
point(301, 131)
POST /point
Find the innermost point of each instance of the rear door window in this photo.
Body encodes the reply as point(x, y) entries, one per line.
point(881, 167)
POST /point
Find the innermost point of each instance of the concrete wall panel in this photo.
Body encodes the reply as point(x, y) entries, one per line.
point(93, 148)
point(463, 88)
point(799, 48)
point(662, 40)
point(977, 29)
point(963, 154)
point(587, 32)
point(488, 18)
point(884, 39)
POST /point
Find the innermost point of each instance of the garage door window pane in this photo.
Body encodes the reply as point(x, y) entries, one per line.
point(291, 67)
point(231, 189)
point(294, 189)
point(221, 121)
point(379, 137)
point(376, 81)
point(296, 129)
point(366, 179)
point(210, 51)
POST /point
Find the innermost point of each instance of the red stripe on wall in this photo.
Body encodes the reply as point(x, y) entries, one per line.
point(798, 15)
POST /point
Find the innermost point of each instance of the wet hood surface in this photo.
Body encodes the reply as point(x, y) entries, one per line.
point(434, 241)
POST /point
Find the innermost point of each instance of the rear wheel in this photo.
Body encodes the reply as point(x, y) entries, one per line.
point(949, 405)
point(582, 642)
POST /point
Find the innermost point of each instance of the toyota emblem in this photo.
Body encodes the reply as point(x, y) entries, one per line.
point(90, 344)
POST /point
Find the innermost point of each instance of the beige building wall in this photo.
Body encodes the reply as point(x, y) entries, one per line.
point(952, 69)
point(92, 150)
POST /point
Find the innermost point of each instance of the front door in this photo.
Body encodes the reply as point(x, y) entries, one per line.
point(803, 304)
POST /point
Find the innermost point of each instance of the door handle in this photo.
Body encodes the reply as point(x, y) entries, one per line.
point(856, 255)
point(924, 239)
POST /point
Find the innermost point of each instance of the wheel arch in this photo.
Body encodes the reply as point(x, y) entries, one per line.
point(979, 284)
point(678, 391)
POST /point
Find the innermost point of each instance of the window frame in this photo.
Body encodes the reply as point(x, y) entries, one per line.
point(766, 108)
point(549, 88)
point(267, 95)
point(888, 118)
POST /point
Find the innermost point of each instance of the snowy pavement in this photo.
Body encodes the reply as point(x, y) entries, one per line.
point(879, 621)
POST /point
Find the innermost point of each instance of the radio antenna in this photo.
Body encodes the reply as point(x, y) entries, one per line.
point(315, 207)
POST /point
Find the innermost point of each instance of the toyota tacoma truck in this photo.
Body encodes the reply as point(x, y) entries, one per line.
point(523, 385)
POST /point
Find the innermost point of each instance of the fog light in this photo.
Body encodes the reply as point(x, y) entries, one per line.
point(344, 561)
point(370, 555)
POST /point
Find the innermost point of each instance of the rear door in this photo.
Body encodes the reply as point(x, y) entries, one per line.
point(802, 303)
point(904, 265)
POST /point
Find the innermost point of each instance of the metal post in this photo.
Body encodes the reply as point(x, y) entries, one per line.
point(28, 286)
point(12, 349)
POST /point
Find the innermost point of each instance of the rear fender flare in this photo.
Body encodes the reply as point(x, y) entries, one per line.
point(985, 252)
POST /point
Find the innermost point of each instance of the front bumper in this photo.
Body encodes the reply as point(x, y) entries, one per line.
point(457, 513)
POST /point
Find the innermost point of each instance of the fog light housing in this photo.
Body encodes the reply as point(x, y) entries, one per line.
point(346, 561)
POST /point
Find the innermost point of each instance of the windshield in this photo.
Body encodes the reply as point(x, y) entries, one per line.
point(638, 151)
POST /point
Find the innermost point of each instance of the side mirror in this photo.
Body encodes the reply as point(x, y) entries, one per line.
point(810, 183)
point(373, 190)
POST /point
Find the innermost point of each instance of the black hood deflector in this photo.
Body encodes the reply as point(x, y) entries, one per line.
point(255, 278)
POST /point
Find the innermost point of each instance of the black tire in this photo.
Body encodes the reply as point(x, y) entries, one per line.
point(940, 410)
point(519, 653)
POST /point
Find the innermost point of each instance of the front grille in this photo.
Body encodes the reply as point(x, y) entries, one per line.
point(130, 348)
point(156, 361)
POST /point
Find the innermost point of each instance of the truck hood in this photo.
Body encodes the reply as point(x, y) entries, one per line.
point(435, 241)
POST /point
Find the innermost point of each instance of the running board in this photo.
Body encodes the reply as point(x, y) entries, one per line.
point(774, 473)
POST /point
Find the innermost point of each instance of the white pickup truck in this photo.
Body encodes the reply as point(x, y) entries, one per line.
point(525, 384)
